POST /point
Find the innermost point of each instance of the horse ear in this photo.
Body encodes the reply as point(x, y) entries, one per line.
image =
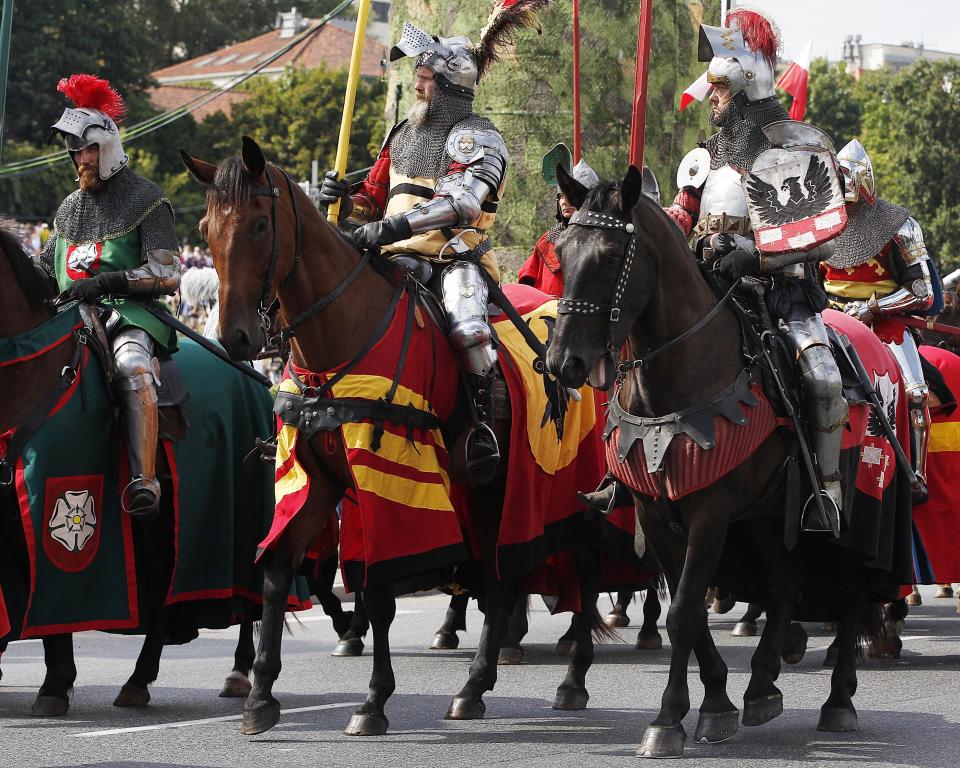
point(201, 170)
point(572, 189)
point(253, 159)
point(630, 189)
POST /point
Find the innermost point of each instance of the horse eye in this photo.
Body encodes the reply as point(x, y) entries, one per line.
point(260, 227)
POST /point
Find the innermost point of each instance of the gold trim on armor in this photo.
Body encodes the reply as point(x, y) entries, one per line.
point(721, 223)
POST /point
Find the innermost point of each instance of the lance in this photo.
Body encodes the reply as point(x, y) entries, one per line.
point(640, 84)
point(577, 147)
point(346, 121)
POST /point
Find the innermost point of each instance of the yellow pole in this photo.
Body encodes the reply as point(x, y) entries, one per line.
point(346, 121)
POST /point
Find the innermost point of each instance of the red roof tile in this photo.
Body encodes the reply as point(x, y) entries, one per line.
point(167, 97)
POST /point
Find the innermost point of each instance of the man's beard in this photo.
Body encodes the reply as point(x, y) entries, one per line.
point(419, 113)
point(90, 180)
point(722, 118)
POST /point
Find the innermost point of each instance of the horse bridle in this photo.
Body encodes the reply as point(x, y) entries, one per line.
point(598, 220)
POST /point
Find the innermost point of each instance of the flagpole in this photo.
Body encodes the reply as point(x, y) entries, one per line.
point(577, 147)
point(346, 120)
point(640, 84)
point(6, 25)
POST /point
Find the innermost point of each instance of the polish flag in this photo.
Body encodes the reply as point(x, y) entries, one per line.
point(794, 82)
point(695, 92)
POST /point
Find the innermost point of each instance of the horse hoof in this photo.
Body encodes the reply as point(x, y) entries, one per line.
point(795, 646)
point(132, 696)
point(886, 649)
point(837, 719)
point(617, 620)
point(563, 647)
point(649, 641)
point(762, 710)
point(362, 724)
point(914, 599)
point(445, 641)
point(351, 647)
point(260, 718)
point(662, 741)
point(571, 698)
point(715, 727)
point(944, 590)
point(830, 660)
point(236, 686)
point(510, 656)
point(50, 706)
point(744, 629)
point(466, 709)
point(724, 604)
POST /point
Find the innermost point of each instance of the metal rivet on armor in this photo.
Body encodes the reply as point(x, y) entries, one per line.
point(331, 411)
point(629, 228)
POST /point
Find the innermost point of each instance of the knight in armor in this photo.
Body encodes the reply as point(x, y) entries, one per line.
point(542, 269)
point(432, 195)
point(114, 241)
point(711, 208)
point(880, 271)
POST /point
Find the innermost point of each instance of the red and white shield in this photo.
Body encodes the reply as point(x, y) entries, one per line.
point(84, 260)
point(71, 515)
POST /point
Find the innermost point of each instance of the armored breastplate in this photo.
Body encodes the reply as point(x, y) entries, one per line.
point(723, 193)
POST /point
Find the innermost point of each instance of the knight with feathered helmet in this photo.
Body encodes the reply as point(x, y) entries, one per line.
point(879, 272)
point(712, 209)
point(432, 195)
point(114, 241)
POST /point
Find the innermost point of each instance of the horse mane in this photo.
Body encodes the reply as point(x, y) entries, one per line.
point(231, 184)
point(31, 278)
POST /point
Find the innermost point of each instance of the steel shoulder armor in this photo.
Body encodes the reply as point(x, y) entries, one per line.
point(916, 278)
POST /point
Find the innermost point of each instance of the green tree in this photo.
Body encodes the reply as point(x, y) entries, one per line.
point(833, 102)
point(911, 129)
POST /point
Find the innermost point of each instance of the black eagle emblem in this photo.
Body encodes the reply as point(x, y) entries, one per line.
point(803, 200)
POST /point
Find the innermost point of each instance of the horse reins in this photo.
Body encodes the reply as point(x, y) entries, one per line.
point(565, 306)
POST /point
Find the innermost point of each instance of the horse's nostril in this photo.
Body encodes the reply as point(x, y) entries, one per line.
point(241, 339)
point(572, 369)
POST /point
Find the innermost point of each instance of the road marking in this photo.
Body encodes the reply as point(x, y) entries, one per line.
point(204, 721)
point(324, 616)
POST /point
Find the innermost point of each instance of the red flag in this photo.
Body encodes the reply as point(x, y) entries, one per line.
point(794, 82)
point(696, 91)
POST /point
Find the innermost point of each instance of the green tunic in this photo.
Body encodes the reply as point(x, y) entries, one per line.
point(74, 262)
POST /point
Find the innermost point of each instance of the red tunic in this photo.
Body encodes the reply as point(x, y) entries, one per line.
point(542, 269)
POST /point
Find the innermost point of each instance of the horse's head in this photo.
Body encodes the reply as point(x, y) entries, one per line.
point(250, 226)
point(610, 272)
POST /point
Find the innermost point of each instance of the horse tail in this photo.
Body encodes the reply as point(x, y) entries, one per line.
point(599, 628)
point(660, 584)
point(872, 632)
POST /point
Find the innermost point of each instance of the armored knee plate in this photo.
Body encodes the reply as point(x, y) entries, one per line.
point(465, 301)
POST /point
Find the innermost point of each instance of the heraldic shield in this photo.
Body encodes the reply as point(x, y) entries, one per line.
point(794, 195)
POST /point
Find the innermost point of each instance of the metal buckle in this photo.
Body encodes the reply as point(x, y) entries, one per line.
point(6, 474)
point(615, 314)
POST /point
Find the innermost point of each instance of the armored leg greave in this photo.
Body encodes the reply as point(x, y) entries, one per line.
point(908, 358)
point(826, 408)
point(136, 382)
point(465, 301)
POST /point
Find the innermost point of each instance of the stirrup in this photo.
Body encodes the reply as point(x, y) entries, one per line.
point(141, 498)
point(610, 495)
point(482, 454)
point(811, 521)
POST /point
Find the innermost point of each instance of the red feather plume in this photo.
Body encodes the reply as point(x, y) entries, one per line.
point(759, 33)
point(91, 92)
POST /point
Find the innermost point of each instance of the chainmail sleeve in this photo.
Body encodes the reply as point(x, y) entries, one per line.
point(159, 273)
point(47, 255)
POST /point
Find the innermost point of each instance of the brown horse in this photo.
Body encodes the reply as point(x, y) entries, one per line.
point(663, 295)
point(26, 293)
point(269, 242)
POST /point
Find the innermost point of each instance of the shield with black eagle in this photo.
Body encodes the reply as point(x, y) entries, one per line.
point(795, 199)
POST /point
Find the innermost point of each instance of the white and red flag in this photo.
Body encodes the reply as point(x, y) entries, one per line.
point(696, 91)
point(794, 82)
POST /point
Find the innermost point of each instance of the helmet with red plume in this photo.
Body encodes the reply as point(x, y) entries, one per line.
point(743, 54)
point(94, 120)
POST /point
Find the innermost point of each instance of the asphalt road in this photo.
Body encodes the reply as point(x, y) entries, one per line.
point(909, 709)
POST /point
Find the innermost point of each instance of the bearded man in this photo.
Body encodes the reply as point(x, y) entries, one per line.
point(432, 194)
point(114, 237)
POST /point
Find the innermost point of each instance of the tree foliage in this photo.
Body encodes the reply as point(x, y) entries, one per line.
point(833, 103)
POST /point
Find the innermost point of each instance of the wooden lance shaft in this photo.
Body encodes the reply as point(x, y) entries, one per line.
point(346, 121)
point(640, 84)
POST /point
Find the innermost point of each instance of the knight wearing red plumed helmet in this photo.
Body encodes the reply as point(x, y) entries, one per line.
point(114, 241)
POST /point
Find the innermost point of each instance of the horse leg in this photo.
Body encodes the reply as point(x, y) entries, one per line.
point(135, 691)
point(53, 698)
point(351, 641)
point(322, 587)
point(511, 652)
point(838, 712)
point(261, 711)
point(237, 685)
point(446, 638)
point(369, 719)
point(747, 626)
point(649, 638)
point(565, 642)
point(889, 644)
point(618, 614)
point(501, 597)
point(572, 692)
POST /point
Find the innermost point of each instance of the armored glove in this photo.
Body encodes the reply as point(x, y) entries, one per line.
point(859, 310)
point(738, 263)
point(383, 232)
point(92, 288)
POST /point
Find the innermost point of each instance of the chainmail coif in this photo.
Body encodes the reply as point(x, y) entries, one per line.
point(420, 150)
point(741, 139)
point(869, 228)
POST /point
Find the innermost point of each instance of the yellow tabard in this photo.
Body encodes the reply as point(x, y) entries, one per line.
point(406, 192)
